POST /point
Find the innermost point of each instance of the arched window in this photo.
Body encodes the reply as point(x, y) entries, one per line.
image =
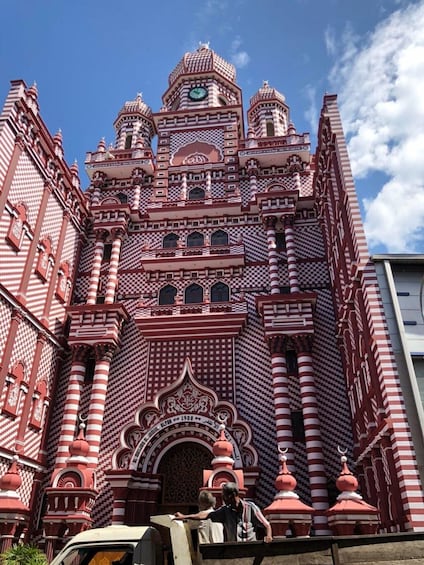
point(220, 292)
point(123, 198)
point(219, 237)
point(128, 142)
point(170, 240)
point(270, 129)
point(167, 294)
point(196, 193)
point(16, 386)
point(193, 294)
point(195, 239)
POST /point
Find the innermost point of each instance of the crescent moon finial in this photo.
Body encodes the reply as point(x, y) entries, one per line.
point(283, 450)
point(222, 418)
point(341, 451)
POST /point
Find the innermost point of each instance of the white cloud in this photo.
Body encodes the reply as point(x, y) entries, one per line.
point(381, 86)
point(330, 40)
point(239, 58)
point(311, 114)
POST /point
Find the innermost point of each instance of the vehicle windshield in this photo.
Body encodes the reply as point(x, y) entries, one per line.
point(99, 556)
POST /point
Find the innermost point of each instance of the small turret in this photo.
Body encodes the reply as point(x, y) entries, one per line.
point(134, 121)
point(351, 514)
point(268, 114)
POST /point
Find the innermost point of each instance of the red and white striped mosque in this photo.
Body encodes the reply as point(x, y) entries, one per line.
point(200, 312)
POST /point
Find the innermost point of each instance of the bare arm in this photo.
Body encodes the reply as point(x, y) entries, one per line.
point(202, 515)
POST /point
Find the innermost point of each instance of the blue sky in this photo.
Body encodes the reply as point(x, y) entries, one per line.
point(89, 57)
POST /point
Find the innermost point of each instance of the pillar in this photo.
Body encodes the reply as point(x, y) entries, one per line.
point(104, 354)
point(112, 281)
point(314, 451)
point(270, 222)
point(97, 262)
point(72, 404)
point(291, 253)
point(280, 384)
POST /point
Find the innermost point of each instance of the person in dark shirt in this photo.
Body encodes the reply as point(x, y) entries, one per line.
point(240, 517)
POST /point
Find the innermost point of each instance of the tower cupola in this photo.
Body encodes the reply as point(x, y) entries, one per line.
point(134, 121)
point(268, 114)
point(202, 79)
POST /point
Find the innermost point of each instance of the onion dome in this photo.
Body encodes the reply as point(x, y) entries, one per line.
point(203, 60)
point(33, 91)
point(266, 93)
point(223, 451)
point(285, 481)
point(11, 480)
point(101, 147)
point(74, 168)
point(58, 138)
point(222, 447)
point(351, 512)
point(79, 447)
point(287, 510)
point(346, 481)
point(136, 106)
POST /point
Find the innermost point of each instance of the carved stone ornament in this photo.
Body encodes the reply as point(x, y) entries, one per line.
point(186, 409)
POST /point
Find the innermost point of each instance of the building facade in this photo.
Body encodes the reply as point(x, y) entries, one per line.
point(224, 277)
point(401, 280)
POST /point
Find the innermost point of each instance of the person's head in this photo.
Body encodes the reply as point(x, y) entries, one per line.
point(206, 500)
point(230, 493)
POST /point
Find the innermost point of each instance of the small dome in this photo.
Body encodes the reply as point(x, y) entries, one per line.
point(285, 482)
point(266, 93)
point(80, 446)
point(11, 480)
point(203, 60)
point(137, 106)
point(222, 447)
point(346, 481)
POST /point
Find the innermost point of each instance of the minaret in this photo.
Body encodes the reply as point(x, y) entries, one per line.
point(268, 114)
point(134, 121)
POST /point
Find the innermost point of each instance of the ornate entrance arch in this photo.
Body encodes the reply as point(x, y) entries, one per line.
point(185, 412)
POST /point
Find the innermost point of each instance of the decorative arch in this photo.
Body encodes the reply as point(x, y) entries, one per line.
point(273, 187)
point(193, 294)
point(45, 259)
point(195, 239)
point(18, 226)
point(220, 292)
point(170, 240)
point(16, 386)
point(197, 152)
point(196, 193)
point(219, 237)
point(183, 411)
point(167, 295)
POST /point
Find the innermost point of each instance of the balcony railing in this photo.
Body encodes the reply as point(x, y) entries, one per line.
point(204, 251)
point(239, 307)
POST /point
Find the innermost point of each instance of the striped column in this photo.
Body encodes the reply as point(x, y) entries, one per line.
point(280, 384)
point(72, 404)
point(29, 263)
point(270, 222)
point(97, 262)
point(11, 170)
point(136, 200)
point(314, 453)
point(253, 171)
point(104, 354)
point(45, 317)
point(112, 280)
point(291, 253)
point(25, 414)
point(16, 319)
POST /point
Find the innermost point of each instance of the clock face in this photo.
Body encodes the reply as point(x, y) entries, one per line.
point(198, 93)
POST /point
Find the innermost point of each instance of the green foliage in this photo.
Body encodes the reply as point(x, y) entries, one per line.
point(23, 554)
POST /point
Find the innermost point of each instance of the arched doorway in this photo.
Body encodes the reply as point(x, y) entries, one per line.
point(182, 470)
